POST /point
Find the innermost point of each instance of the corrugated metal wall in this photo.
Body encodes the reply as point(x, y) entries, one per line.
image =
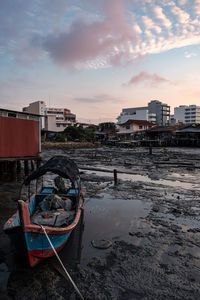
point(18, 137)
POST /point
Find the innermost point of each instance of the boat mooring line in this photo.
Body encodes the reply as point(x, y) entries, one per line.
point(54, 250)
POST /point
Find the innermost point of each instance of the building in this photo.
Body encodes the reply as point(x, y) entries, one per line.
point(187, 114)
point(162, 111)
point(133, 126)
point(20, 135)
point(136, 113)
point(156, 112)
point(54, 119)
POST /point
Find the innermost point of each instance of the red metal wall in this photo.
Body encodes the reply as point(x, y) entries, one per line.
point(18, 137)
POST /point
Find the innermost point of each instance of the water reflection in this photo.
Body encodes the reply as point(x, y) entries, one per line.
point(70, 255)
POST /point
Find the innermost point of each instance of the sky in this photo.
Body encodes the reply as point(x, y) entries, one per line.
point(96, 57)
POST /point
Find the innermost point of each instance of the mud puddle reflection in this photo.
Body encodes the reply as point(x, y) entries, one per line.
point(146, 179)
point(110, 219)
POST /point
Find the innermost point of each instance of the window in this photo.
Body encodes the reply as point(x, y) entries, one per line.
point(58, 125)
point(127, 126)
point(13, 115)
point(140, 126)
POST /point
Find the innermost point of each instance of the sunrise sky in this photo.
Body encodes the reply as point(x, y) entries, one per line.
point(96, 57)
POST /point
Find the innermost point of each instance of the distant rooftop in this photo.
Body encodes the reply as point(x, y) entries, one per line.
point(19, 112)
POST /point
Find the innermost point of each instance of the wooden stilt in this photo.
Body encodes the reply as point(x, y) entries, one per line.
point(12, 170)
point(32, 165)
point(18, 166)
point(39, 163)
point(26, 167)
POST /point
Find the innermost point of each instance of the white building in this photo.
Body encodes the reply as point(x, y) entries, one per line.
point(54, 119)
point(187, 114)
point(132, 126)
point(136, 113)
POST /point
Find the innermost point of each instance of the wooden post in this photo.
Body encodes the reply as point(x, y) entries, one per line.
point(12, 170)
point(32, 165)
point(115, 176)
point(18, 166)
point(1, 169)
point(13, 167)
point(26, 168)
point(38, 163)
point(5, 166)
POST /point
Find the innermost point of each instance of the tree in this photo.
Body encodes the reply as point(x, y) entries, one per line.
point(107, 127)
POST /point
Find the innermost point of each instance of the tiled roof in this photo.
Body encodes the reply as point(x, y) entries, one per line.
point(170, 128)
point(137, 122)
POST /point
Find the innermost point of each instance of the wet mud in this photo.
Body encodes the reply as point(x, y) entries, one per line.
point(148, 224)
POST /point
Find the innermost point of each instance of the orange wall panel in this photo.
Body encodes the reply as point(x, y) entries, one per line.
point(18, 137)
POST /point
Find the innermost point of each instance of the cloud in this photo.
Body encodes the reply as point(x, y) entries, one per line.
point(182, 16)
point(102, 98)
point(92, 34)
point(147, 79)
point(189, 55)
point(182, 2)
point(158, 12)
point(148, 22)
point(197, 6)
point(86, 41)
point(137, 29)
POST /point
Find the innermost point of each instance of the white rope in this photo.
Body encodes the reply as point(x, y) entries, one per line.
point(54, 250)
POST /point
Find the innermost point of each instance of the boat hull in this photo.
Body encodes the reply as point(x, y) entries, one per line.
point(39, 248)
point(30, 238)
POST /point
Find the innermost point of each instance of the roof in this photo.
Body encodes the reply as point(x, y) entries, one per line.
point(137, 122)
point(192, 128)
point(59, 164)
point(19, 112)
point(169, 128)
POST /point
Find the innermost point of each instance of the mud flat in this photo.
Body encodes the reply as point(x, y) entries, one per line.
point(150, 220)
point(69, 145)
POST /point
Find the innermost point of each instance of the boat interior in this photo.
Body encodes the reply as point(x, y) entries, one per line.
point(56, 217)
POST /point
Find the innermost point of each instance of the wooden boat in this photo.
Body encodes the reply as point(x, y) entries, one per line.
point(26, 233)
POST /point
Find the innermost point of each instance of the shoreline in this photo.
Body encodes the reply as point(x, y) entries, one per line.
point(69, 145)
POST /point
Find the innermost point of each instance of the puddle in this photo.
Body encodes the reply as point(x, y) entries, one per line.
point(146, 179)
point(110, 219)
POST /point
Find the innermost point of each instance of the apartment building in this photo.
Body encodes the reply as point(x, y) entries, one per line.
point(156, 112)
point(54, 119)
point(136, 113)
point(162, 111)
point(187, 114)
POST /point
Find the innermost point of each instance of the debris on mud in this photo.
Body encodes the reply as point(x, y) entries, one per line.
point(101, 244)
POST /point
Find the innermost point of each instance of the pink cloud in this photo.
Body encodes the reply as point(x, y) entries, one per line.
point(86, 41)
point(150, 79)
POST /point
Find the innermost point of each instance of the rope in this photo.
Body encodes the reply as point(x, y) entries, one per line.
point(54, 250)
